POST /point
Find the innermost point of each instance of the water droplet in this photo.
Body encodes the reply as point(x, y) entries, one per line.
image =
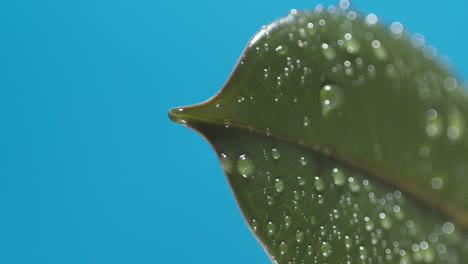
point(245, 166)
point(433, 124)
point(271, 228)
point(331, 96)
point(283, 248)
point(351, 45)
point(299, 236)
point(328, 52)
point(379, 51)
point(371, 19)
point(437, 183)
point(303, 161)
point(455, 124)
point(306, 121)
point(448, 228)
point(287, 221)
point(354, 185)
point(301, 180)
point(450, 84)
point(369, 224)
point(326, 249)
point(319, 183)
point(279, 185)
point(310, 250)
point(363, 253)
point(275, 153)
point(396, 28)
point(270, 200)
point(227, 122)
point(254, 224)
point(348, 243)
point(225, 163)
point(385, 221)
point(338, 177)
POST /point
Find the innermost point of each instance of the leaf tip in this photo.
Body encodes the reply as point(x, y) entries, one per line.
point(177, 115)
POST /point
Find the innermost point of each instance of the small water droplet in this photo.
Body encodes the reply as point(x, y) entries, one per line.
point(279, 185)
point(385, 221)
point(328, 52)
point(283, 248)
point(448, 228)
point(379, 51)
point(287, 221)
point(338, 177)
point(310, 250)
point(437, 183)
point(363, 253)
point(306, 121)
point(301, 180)
point(303, 161)
point(433, 124)
point(271, 227)
point(326, 249)
point(227, 122)
point(319, 183)
point(225, 163)
point(254, 224)
point(275, 153)
point(354, 186)
point(348, 243)
point(245, 166)
point(299, 236)
point(369, 224)
point(371, 19)
point(331, 96)
point(270, 200)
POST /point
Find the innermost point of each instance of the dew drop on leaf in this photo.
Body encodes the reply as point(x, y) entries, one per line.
point(279, 185)
point(331, 96)
point(319, 183)
point(338, 177)
point(326, 249)
point(275, 153)
point(245, 166)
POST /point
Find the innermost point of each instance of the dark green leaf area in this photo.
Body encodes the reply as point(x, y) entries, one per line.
point(309, 208)
point(375, 97)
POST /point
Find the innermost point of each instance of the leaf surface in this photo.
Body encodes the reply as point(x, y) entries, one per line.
point(344, 142)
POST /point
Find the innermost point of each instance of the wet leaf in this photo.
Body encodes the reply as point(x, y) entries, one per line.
point(344, 141)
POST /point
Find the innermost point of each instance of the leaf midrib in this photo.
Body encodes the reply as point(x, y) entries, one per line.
point(423, 197)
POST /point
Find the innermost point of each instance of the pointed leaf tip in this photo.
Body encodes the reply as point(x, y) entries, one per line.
point(177, 115)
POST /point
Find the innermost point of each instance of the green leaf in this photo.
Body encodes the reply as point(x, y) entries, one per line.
point(344, 142)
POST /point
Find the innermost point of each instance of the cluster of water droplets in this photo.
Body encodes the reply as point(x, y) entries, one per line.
point(311, 209)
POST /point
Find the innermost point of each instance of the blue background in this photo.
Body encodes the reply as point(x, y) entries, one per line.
point(91, 168)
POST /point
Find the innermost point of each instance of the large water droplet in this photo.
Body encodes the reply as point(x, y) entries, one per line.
point(331, 96)
point(245, 166)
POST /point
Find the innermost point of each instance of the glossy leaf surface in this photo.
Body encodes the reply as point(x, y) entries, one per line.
point(344, 142)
